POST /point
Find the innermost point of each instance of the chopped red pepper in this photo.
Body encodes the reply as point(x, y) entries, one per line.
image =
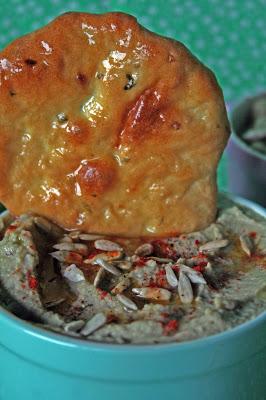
point(32, 281)
point(102, 293)
point(198, 268)
point(93, 254)
point(176, 268)
point(141, 262)
point(253, 235)
point(171, 327)
point(11, 228)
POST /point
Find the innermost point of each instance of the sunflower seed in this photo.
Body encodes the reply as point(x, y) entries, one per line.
point(214, 245)
point(73, 274)
point(108, 267)
point(209, 267)
point(59, 255)
point(185, 289)
point(191, 262)
point(89, 237)
point(125, 265)
point(144, 250)
point(151, 293)
point(109, 256)
point(74, 234)
point(76, 247)
point(194, 276)
point(127, 302)
point(48, 226)
point(121, 286)
point(54, 303)
point(160, 259)
point(74, 326)
point(67, 256)
point(170, 276)
point(246, 244)
point(181, 260)
point(151, 263)
point(107, 245)
point(66, 239)
point(96, 322)
point(255, 134)
point(98, 277)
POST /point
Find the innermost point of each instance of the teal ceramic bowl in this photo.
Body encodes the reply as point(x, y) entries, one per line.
point(39, 365)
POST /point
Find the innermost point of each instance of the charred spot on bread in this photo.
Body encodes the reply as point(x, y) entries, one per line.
point(30, 62)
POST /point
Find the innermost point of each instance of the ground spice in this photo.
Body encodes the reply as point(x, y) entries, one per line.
point(141, 262)
point(171, 327)
point(160, 278)
point(253, 235)
point(32, 281)
point(102, 293)
point(11, 228)
point(199, 268)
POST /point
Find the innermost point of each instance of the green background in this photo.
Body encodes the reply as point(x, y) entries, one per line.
point(229, 36)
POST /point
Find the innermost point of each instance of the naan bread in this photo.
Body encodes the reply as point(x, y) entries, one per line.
point(109, 128)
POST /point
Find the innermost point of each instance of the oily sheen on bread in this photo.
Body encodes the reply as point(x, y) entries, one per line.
point(109, 128)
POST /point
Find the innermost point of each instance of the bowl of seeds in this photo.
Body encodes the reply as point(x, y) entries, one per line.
point(247, 149)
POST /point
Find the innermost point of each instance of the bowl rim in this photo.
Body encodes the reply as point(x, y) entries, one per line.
point(68, 341)
point(234, 136)
point(255, 153)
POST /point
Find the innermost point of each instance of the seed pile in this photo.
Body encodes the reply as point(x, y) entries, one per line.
point(146, 276)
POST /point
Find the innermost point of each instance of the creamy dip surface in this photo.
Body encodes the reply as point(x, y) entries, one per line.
point(118, 290)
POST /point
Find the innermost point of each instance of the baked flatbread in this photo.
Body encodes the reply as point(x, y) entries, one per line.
point(109, 128)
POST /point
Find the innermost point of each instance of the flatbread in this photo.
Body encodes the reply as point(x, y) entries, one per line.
point(109, 128)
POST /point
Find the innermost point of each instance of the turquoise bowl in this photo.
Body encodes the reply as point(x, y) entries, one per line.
point(36, 364)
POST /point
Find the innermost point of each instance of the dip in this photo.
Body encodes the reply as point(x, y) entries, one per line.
point(121, 290)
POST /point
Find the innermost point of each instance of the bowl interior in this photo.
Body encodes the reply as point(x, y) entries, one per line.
point(241, 119)
point(45, 334)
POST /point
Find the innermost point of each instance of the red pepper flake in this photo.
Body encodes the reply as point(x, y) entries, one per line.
point(102, 293)
point(198, 268)
point(176, 268)
point(32, 281)
point(253, 235)
point(93, 254)
point(23, 286)
point(112, 318)
point(171, 327)
point(141, 262)
point(202, 263)
point(201, 255)
point(74, 258)
point(160, 280)
point(197, 242)
point(11, 228)
point(160, 273)
point(259, 258)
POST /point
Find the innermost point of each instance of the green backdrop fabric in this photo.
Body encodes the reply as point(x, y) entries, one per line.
point(229, 36)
